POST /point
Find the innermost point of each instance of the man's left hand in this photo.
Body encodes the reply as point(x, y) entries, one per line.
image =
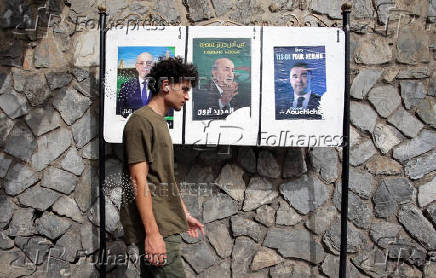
point(194, 226)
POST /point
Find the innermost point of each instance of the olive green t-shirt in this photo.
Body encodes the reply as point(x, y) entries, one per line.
point(146, 138)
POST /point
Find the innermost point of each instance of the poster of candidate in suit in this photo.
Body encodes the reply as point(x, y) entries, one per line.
point(224, 65)
point(134, 63)
point(299, 82)
point(302, 86)
point(130, 55)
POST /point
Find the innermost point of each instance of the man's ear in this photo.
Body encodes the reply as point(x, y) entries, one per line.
point(165, 86)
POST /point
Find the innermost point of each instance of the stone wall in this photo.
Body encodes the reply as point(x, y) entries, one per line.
point(280, 216)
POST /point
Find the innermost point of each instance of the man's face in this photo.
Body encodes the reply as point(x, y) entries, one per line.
point(178, 94)
point(223, 73)
point(298, 80)
point(143, 64)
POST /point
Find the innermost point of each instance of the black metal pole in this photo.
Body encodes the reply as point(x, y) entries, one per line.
point(346, 10)
point(101, 145)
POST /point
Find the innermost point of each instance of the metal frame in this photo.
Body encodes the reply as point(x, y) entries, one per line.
point(346, 10)
point(101, 143)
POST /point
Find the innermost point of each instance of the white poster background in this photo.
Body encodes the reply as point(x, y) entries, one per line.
point(302, 132)
point(143, 36)
point(239, 128)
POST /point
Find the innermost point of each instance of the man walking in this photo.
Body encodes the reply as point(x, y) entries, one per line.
point(158, 216)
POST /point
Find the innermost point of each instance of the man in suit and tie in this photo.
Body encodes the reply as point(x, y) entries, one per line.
point(219, 98)
point(303, 101)
point(134, 93)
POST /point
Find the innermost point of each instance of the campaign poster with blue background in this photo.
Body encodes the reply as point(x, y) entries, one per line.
point(308, 59)
point(126, 72)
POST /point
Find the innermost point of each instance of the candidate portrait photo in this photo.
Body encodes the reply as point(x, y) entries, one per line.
point(299, 82)
point(224, 66)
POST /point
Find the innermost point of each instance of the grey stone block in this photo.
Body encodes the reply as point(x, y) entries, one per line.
point(384, 233)
point(381, 165)
point(245, 227)
point(199, 256)
point(19, 178)
point(71, 104)
point(372, 50)
point(242, 256)
point(259, 192)
point(361, 153)
point(417, 167)
point(58, 80)
point(385, 99)
point(386, 137)
point(7, 209)
point(412, 45)
point(424, 142)
point(427, 193)
point(267, 165)
point(219, 207)
point(286, 215)
point(359, 211)
point(295, 243)
point(426, 110)
point(362, 116)
point(363, 82)
point(66, 206)
point(21, 142)
point(332, 239)
point(42, 120)
point(294, 164)
point(59, 180)
point(13, 104)
point(412, 93)
point(73, 162)
point(230, 180)
point(391, 193)
point(38, 198)
point(408, 124)
point(305, 194)
point(325, 161)
point(219, 238)
point(265, 215)
point(85, 129)
point(418, 226)
point(50, 147)
point(5, 162)
point(22, 223)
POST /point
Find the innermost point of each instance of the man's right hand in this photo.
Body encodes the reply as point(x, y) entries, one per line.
point(229, 91)
point(155, 250)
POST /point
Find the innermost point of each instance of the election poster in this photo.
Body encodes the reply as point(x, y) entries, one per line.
point(225, 105)
point(302, 87)
point(299, 82)
point(129, 58)
point(134, 63)
point(225, 65)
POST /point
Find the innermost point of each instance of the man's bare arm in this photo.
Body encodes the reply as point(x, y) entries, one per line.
point(154, 244)
point(193, 224)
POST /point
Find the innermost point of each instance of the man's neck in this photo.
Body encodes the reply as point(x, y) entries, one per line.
point(303, 94)
point(157, 104)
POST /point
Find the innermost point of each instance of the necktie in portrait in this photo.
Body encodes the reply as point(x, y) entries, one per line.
point(144, 96)
point(300, 102)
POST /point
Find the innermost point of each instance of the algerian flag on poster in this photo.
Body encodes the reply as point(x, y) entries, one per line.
point(129, 57)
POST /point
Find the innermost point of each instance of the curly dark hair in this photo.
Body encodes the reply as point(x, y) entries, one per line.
point(172, 69)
